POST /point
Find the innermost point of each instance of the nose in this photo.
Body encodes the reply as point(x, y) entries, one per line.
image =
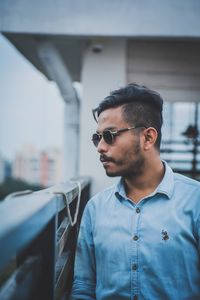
point(102, 146)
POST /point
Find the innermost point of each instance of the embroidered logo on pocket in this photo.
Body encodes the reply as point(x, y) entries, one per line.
point(165, 235)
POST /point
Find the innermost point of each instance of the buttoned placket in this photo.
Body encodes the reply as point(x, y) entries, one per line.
point(134, 253)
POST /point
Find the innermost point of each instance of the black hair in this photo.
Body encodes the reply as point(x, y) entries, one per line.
point(141, 107)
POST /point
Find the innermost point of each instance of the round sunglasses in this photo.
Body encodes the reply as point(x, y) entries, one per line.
point(109, 135)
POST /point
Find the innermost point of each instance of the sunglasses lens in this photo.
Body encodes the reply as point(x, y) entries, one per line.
point(108, 138)
point(96, 139)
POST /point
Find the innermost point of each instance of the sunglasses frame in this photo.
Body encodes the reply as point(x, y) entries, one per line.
point(112, 133)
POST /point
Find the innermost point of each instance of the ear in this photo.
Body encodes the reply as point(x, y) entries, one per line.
point(150, 137)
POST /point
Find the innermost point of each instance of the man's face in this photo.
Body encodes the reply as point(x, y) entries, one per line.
point(124, 157)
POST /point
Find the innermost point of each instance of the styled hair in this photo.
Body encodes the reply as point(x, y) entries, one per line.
point(140, 107)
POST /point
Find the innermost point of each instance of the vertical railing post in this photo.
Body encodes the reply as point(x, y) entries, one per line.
point(44, 247)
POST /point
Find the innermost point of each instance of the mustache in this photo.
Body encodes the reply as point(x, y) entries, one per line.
point(105, 158)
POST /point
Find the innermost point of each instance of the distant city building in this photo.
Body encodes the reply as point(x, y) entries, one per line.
point(50, 171)
point(43, 168)
point(2, 169)
point(5, 169)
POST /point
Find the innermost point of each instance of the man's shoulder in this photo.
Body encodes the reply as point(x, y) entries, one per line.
point(102, 198)
point(104, 194)
point(186, 181)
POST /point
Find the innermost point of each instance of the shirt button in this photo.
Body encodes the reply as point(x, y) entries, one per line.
point(135, 238)
point(138, 211)
point(134, 267)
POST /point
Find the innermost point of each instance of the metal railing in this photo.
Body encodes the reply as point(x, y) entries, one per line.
point(38, 239)
point(183, 156)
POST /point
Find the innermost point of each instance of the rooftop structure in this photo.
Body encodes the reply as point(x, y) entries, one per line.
point(105, 45)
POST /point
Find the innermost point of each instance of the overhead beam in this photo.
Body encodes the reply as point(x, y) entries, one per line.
point(147, 18)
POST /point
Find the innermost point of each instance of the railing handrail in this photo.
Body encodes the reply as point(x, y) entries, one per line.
point(181, 141)
point(23, 217)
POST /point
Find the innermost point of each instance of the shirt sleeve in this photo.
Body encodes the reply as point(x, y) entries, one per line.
point(84, 283)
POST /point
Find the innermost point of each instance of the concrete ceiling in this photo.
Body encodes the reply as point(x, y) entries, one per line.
point(70, 49)
point(69, 25)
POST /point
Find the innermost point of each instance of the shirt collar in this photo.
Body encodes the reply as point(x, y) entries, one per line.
point(166, 186)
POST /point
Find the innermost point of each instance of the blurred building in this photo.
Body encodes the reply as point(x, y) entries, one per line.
point(5, 169)
point(50, 167)
point(26, 165)
point(8, 169)
point(2, 169)
point(34, 167)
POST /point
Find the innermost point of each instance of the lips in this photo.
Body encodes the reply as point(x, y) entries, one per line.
point(105, 159)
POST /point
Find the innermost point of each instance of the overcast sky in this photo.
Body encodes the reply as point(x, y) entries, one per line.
point(31, 110)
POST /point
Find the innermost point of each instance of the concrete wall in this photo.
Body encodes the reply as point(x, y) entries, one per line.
point(167, 18)
point(170, 67)
point(101, 73)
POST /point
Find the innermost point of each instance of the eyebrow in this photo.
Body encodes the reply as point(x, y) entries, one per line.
point(108, 128)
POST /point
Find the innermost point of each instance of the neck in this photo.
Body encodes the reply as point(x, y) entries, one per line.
point(137, 187)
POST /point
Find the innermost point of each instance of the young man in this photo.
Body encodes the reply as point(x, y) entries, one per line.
point(139, 239)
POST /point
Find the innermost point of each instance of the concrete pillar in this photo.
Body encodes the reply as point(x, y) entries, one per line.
point(58, 72)
point(104, 69)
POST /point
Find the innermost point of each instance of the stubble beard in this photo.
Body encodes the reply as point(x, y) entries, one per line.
point(135, 167)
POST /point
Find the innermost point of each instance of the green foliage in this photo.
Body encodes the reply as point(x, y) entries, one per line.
point(12, 185)
point(7, 272)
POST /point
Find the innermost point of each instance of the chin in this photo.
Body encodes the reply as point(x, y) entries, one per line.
point(123, 173)
point(113, 174)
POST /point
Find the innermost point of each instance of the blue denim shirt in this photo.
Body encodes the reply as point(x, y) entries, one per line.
point(149, 250)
